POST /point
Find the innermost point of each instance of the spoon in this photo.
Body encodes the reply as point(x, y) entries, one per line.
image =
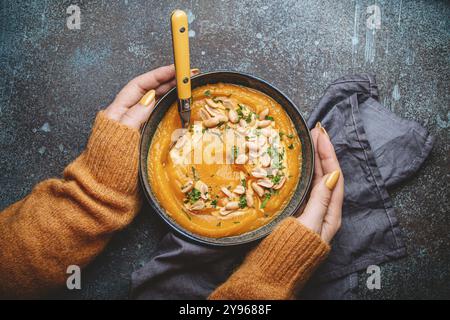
point(180, 41)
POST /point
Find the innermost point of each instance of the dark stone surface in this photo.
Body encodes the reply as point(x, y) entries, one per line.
point(54, 80)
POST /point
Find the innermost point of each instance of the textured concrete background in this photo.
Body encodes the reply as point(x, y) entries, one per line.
point(54, 80)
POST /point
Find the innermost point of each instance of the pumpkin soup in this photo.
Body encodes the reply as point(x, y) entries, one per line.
point(233, 170)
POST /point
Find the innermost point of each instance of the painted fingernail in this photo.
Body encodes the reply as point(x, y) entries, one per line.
point(332, 179)
point(324, 131)
point(148, 98)
point(318, 124)
point(195, 71)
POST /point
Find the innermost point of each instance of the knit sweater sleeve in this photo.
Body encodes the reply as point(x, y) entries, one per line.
point(68, 221)
point(279, 264)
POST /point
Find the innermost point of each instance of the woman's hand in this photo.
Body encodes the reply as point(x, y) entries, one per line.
point(135, 102)
point(323, 211)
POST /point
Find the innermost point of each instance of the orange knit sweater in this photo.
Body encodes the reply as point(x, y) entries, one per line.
point(69, 221)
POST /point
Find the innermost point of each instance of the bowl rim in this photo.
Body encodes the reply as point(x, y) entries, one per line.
point(191, 235)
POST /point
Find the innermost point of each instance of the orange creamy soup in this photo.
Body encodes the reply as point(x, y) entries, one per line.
point(233, 170)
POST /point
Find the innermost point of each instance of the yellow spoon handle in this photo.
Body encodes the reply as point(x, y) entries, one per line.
point(180, 39)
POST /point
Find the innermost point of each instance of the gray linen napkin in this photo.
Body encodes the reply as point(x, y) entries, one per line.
point(376, 150)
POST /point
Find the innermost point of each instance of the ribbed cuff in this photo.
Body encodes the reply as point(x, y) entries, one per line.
point(290, 253)
point(112, 154)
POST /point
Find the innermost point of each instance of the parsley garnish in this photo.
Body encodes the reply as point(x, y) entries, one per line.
point(193, 196)
point(208, 93)
point(276, 179)
point(240, 113)
point(235, 151)
point(291, 146)
point(271, 151)
point(270, 118)
point(214, 203)
point(266, 199)
point(249, 117)
point(194, 174)
point(242, 201)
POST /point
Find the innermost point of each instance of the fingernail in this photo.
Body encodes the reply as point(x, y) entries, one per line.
point(148, 98)
point(324, 131)
point(318, 124)
point(332, 179)
point(195, 71)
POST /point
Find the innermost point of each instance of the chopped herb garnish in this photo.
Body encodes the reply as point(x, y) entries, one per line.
point(243, 183)
point(281, 134)
point(235, 151)
point(236, 222)
point(276, 179)
point(204, 130)
point(249, 117)
point(242, 201)
point(271, 151)
point(247, 138)
point(290, 136)
point(266, 199)
point(240, 113)
point(214, 203)
point(193, 196)
point(208, 93)
point(270, 118)
point(291, 146)
point(194, 174)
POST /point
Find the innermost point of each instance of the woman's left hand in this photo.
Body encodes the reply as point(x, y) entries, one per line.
point(135, 102)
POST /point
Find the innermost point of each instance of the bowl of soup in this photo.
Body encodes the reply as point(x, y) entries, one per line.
point(244, 163)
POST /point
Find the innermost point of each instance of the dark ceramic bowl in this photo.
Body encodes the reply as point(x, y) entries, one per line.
point(247, 81)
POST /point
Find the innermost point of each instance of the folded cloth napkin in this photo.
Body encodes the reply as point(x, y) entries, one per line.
point(376, 149)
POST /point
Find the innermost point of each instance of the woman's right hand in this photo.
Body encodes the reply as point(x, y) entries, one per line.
point(134, 103)
point(323, 211)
